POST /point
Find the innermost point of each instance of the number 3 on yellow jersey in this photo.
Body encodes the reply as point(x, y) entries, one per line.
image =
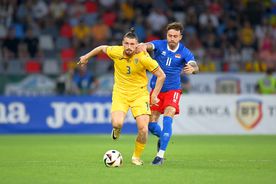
point(128, 70)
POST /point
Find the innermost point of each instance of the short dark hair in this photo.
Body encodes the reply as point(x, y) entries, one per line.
point(176, 26)
point(131, 34)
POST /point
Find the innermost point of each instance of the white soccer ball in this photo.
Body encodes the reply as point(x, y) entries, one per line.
point(113, 158)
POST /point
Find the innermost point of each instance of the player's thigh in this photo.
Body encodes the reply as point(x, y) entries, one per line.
point(140, 106)
point(118, 117)
point(119, 103)
point(171, 102)
point(170, 111)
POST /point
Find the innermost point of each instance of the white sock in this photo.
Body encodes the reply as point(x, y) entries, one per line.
point(161, 153)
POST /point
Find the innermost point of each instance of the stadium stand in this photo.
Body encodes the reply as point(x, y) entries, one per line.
point(226, 36)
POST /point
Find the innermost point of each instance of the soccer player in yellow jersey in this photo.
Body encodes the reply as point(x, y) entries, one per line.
point(130, 87)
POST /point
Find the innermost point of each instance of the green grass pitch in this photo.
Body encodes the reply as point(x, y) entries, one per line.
point(39, 159)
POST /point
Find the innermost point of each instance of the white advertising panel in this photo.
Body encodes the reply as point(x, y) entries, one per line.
point(208, 83)
point(226, 114)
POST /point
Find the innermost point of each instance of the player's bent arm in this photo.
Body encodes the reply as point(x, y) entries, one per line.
point(158, 72)
point(144, 47)
point(84, 59)
point(149, 46)
point(195, 67)
point(191, 68)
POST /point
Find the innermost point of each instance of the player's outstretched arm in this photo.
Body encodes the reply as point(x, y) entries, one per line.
point(84, 59)
point(144, 47)
point(159, 83)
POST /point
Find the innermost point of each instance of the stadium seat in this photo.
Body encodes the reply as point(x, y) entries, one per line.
point(98, 67)
point(83, 51)
point(256, 67)
point(32, 66)
point(50, 53)
point(203, 67)
point(90, 19)
point(263, 66)
point(211, 67)
point(15, 67)
point(62, 43)
point(102, 56)
point(180, 16)
point(68, 54)
point(66, 65)
point(50, 67)
point(2, 69)
point(46, 42)
point(225, 67)
point(248, 67)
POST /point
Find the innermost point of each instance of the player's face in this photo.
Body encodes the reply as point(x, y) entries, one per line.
point(173, 37)
point(130, 45)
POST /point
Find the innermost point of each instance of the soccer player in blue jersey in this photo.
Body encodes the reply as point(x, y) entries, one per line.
point(173, 57)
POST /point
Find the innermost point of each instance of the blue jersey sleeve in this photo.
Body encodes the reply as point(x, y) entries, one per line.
point(156, 44)
point(188, 55)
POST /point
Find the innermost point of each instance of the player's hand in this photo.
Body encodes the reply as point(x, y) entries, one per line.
point(154, 100)
point(83, 61)
point(141, 47)
point(188, 69)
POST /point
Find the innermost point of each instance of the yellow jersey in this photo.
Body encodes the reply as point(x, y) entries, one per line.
point(130, 72)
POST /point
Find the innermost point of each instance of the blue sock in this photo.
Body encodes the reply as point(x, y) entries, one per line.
point(155, 129)
point(166, 132)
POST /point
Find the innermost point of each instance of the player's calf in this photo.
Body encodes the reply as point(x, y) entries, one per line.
point(155, 129)
point(158, 145)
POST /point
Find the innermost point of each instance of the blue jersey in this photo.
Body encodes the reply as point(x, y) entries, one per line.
point(171, 62)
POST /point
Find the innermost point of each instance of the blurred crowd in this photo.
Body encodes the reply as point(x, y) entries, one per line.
point(48, 36)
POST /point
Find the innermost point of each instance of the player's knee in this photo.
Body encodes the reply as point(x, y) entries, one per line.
point(154, 118)
point(117, 122)
point(143, 130)
point(170, 111)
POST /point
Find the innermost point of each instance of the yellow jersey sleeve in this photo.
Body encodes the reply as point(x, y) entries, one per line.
point(149, 63)
point(114, 52)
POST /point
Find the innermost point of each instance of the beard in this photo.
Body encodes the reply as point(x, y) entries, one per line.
point(129, 52)
point(173, 44)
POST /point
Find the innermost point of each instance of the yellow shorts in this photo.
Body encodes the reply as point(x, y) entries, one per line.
point(139, 106)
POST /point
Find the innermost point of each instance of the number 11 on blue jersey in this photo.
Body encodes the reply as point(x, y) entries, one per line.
point(168, 62)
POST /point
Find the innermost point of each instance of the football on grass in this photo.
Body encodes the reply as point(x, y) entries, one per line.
point(113, 158)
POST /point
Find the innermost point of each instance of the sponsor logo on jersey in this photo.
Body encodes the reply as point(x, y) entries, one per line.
point(163, 53)
point(177, 56)
point(249, 112)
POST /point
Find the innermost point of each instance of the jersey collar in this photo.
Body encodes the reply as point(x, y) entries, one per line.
point(176, 48)
point(126, 57)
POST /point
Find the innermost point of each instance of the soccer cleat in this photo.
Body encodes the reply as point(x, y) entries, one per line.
point(158, 161)
point(115, 134)
point(137, 161)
